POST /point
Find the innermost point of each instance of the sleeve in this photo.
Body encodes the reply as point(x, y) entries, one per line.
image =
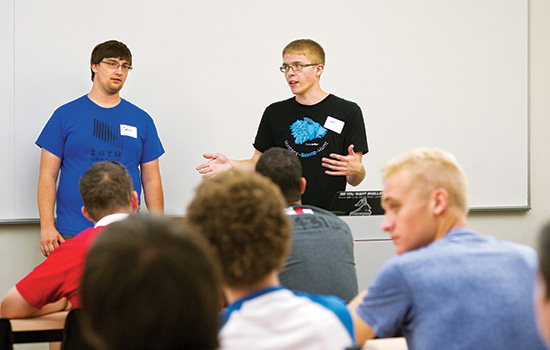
point(355, 132)
point(44, 284)
point(152, 146)
point(264, 135)
point(51, 137)
point(385, 307)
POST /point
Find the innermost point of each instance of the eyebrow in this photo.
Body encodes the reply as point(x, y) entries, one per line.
point(294, 63)
point(116, 60)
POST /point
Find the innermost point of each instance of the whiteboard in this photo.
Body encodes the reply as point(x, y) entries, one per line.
point(439, 73)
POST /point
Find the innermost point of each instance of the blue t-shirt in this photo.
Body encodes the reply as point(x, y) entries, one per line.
point(463, 291)
point(82, 133)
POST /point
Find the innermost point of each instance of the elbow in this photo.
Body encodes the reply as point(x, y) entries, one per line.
point(7, 311)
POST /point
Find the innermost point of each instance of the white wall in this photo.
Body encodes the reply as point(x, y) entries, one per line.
point(19, 243)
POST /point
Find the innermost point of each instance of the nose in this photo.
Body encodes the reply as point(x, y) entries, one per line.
point(387, 224)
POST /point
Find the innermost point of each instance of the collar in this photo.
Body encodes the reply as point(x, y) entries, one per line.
point(109, 219)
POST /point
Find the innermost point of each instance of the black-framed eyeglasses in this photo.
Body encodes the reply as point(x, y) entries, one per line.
point(114, 65)
point(295, 67)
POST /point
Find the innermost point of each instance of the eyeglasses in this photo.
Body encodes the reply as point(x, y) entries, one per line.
point(114, 65)
point(296, 67)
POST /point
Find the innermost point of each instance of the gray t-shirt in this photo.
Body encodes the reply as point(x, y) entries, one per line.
point(321, 260)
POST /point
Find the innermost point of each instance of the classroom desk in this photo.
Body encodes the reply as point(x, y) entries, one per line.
point(45, 328)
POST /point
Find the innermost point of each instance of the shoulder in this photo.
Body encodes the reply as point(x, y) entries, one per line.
point(329, 302)
point(76, 103)
point(333, 99)
point(289, 102)
point(81, 241)
point(294, 211)
point(127, 105)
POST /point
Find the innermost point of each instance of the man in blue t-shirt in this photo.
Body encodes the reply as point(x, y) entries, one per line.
point(448, 287)
point(96, 127)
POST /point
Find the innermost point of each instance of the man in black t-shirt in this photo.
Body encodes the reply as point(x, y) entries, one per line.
point(325, 131)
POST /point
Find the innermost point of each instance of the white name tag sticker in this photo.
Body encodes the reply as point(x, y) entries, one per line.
point(334, 124)
point(128, 130)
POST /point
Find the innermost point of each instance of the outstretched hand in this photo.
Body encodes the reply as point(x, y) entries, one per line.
point(349, 165)
point(218, 162)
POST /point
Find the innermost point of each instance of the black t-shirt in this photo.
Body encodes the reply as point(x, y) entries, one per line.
point(313, 132)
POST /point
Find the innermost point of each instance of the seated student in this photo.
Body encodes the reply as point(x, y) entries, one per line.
point(448, 287)
point(321, 257)
point(108, 196)
point(150, 283)
point(542, 294)
point(242, 215)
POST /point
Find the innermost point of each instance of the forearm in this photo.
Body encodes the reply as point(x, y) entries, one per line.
point(15, 306)
point(46, 201)
point(152, 187)
point(154, 197)
point(246, 164)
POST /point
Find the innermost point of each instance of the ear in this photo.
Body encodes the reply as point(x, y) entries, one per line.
point(319, 70)
point(94, 67)
point(439, 201)
point(134, 201)
point(303, 183)
point(85, 213)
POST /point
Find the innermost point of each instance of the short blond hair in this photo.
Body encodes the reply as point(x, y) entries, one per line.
point(242, 215)
point(433, 168)
point(307, 47)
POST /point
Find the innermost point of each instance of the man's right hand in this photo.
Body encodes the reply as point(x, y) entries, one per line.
point(218, 162)
point(49, 240)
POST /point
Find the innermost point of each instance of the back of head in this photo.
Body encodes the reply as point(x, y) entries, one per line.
point(544, 256)
point(105, 187)
point(150, 283)
point(110, 49)
point(242, 216)
point(433, 168)
point(307, 47)
point(283, 168)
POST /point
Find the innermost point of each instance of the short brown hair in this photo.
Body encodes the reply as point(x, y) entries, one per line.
point(105, 187)
point(242, 214)
point(433, 168)
point(151, 283)
point(307, 47)
point(285, 170)
point(110, 49)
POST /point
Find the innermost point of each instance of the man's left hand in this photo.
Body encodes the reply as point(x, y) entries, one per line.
point(349, 166)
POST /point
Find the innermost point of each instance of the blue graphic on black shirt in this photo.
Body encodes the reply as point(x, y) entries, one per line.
point(306, 130)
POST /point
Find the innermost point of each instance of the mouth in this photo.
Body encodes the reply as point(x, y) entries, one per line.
point(292, 82)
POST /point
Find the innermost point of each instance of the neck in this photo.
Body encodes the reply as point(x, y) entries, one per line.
point(104, 99)
point(233, 294)
point(448, 224)
point(312, 97)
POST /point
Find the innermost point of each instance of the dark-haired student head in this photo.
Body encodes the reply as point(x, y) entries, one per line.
point(151, 283)
point(283, 168)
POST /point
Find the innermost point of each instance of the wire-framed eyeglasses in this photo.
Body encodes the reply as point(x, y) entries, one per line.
point(295, 67)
